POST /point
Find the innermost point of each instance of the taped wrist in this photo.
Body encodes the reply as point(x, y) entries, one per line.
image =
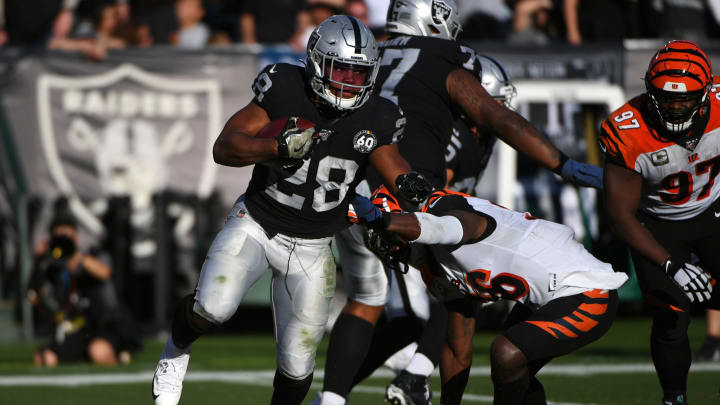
point(446, 230)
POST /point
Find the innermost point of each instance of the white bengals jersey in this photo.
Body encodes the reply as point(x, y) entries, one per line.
point(519, 257)
point(678, 180)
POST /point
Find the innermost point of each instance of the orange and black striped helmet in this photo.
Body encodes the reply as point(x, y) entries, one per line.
point(679, 71)
point(385, 201)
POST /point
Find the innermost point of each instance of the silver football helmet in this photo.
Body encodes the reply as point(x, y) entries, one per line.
point(495, 80)
point(342, 62)
point(429, 18)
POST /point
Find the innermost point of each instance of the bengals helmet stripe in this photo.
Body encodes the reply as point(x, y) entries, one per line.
point(384, 200)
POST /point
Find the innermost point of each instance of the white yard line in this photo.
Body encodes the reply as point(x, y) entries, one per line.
point(265, 377)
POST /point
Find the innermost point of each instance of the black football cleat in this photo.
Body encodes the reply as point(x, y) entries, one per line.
point(408, 389)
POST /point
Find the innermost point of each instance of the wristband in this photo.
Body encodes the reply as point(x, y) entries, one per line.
point(563, 159)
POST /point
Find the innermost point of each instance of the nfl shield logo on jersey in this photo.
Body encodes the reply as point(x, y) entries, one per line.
point(364, 141)
point(660, 158)
point(440, 11)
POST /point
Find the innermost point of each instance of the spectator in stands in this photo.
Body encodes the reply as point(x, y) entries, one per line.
point(533, 23)
point(488, 19)
point(271, 21)
point(158, 20)
point(34, 23)
point(596, 20)
point(358, 9)
point(192, 32)
point(317, 12)
point(76, 302)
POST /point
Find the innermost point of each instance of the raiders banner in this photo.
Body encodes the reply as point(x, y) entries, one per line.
point(132, 125)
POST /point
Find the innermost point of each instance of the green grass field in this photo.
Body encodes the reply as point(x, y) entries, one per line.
point(215, 377)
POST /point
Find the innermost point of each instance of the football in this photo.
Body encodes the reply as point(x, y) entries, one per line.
point(274, 128)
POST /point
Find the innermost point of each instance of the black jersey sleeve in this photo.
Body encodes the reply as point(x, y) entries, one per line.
point(456, 55)
point(389, 121)
point(273, 88)
point(452, 152)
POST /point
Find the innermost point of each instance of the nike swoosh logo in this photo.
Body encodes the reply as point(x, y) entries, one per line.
point(717, 214)
point(299, 148)
point(272, 69)
point(603, 148)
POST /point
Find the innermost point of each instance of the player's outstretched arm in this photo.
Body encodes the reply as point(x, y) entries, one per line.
point(237, 146)
point(456, 227)
point(466, 91)
point(622, 197)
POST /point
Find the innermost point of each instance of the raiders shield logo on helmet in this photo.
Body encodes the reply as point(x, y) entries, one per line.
point(440, 11)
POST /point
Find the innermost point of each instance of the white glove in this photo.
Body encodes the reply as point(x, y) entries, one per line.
point(694, 282)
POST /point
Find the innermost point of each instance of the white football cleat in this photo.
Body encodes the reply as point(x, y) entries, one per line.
point(168, 378)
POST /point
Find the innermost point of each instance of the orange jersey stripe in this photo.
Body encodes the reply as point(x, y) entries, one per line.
point(584, 324)
point(597, 293)
point(593, 309)
point(550, 328)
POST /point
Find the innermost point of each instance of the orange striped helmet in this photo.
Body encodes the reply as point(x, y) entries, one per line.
point(678, 81)
point(385, 201)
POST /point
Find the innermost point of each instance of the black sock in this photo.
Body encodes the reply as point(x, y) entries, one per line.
point(672, 361)
point(511, 393)
point(184, 330)
point(386, 341)
point(288, 391)
point(535, 394)
point(433, 337)
point(349, 342)
point(452, 391)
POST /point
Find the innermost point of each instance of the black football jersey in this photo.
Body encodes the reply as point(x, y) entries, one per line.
point(467, 157)
point(311, 201)
point(413, 74)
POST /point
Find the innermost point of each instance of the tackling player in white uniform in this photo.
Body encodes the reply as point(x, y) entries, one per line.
point(472, 251)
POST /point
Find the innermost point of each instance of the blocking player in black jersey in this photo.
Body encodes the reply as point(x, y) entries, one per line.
point(468, 153)
point(409, 305)
point(662, 153)
point(434, 79)
point(297, 199)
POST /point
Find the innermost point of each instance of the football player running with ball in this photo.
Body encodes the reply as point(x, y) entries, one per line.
point(470, 252)
point(662, 152)
point(298, 196)
point(434, 79)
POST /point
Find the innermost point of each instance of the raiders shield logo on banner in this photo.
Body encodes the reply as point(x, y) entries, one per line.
point(127, 132)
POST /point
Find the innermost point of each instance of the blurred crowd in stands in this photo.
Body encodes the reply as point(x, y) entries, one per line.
point(95, 26)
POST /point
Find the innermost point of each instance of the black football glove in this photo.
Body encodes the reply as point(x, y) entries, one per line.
point(694, 282)
point(293, 142)
point(413, 190)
